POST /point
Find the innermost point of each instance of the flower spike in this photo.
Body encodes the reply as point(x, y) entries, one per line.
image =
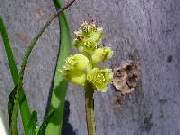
point(82, 68)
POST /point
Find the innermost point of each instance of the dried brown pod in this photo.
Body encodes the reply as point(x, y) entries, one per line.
point(126, 77)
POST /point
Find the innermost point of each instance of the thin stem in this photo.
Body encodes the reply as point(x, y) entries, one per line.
point(89, 106)
point(35, 39)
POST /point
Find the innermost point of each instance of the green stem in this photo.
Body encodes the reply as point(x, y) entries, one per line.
point(89, 106)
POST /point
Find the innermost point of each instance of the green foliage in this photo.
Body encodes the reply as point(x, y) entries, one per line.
point(54, 125)
point(44, 124)
point(24, 109)
point(9, 52)
point(17, 99)
point(23, 105)
point(13, 102)
point(32, 124)
point(13, 112)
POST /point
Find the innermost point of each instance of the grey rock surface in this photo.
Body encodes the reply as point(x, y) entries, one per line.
point(147, 31)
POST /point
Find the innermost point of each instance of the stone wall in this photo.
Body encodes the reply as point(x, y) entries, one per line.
point(147, 31)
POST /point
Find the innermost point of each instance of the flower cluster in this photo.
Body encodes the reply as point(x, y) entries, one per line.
point(83, 67)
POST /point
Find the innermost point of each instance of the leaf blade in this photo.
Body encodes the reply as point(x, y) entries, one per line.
point(13, 101)
point(23, 104)
point(60, 85)
point(9, 52)
point(44, 124)
point(32, 124)
point(13, 112)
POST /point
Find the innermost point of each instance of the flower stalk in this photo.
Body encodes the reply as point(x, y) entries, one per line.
point(89, 107)
point(83, 68)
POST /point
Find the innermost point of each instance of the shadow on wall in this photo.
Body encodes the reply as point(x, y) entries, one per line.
point(67, 127)
point(2, 127)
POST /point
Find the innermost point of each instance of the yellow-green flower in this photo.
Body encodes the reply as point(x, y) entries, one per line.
point(75, 68)
point(87, 38)
point(80, 79)
point(102, 54)
point(100, 78)
point(82, 68)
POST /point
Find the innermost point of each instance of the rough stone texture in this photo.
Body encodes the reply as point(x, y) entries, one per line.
point(147, 31)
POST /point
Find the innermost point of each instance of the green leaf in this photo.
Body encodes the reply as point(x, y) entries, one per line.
point(23, 104)
point(24, 109)
point(9, 52)
point(13, 102)
point(13, 112)
point(45, 122)
point(54, 126)
point(32, 124)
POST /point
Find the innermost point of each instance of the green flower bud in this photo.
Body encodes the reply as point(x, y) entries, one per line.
point(75, 68)
point(80, 80)
point(87, 38)
point(100, 78)
point(102, 55)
